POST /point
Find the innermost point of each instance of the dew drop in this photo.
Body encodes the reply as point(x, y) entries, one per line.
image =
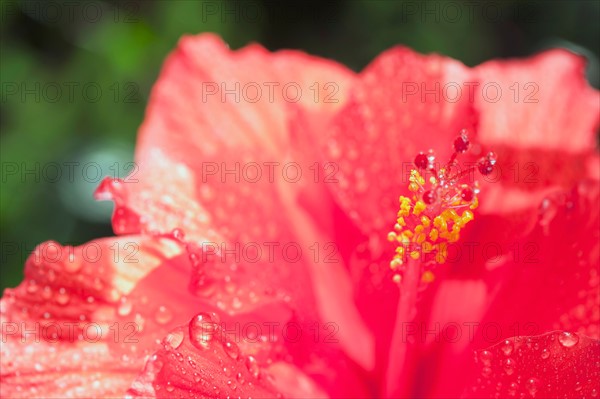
point(252, 366)
point(486, 357)
point(509, 366)
point(240, 378)
point(170, 388)
point(203, 327)
point(231, 349)
point(507, 347)
point(545, 354)
point(532, 386)
point(125, 307)
point(163, 315)
point(568, 339)
point(178, 234)
point(174, 339)
point(62, 297)
point(32, 287)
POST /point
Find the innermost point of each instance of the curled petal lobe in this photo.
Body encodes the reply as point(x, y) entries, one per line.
point(546, 97)
point(71, 329)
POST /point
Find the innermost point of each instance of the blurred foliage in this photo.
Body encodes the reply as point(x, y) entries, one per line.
point(120, 49)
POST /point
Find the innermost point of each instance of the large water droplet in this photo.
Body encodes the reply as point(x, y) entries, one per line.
point(568, 339)
point(174, 339)
point(203, 327)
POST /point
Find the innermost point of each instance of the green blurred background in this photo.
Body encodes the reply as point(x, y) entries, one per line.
point(55, 55)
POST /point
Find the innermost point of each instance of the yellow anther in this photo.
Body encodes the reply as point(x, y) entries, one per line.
point(397, 278)
point(428, 229)
point(427, 247)
point(440, 223)
point(427, 276)
point(450, 214)
point(395, 263)
point(475, 204)
point(419, 208)
point(467, 216)
point(454, 236)
point(442, 253)
point(433, 235)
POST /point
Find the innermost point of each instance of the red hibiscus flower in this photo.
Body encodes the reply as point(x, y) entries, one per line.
point(253, 254)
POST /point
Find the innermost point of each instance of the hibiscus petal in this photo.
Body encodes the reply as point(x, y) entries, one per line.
point(542, 279)
point(396, 109)
point(556, 364)
point(546, 103)
point(61, 331)
point(177, 186)
point(201, 360)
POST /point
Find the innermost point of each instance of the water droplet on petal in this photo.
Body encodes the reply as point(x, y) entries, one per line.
point(174, 339)
point(125, 307)
point(178, 234)
point(509, 366)
point(240, 378)
point(62, 297)
point(568, 339)
point(202, 328)
point(231, 349)
point(486, 357)
point(532, 386)
point(170, 388)
point(252, 366)
point(163, 315)
point(545, 354)
point(507, 347)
